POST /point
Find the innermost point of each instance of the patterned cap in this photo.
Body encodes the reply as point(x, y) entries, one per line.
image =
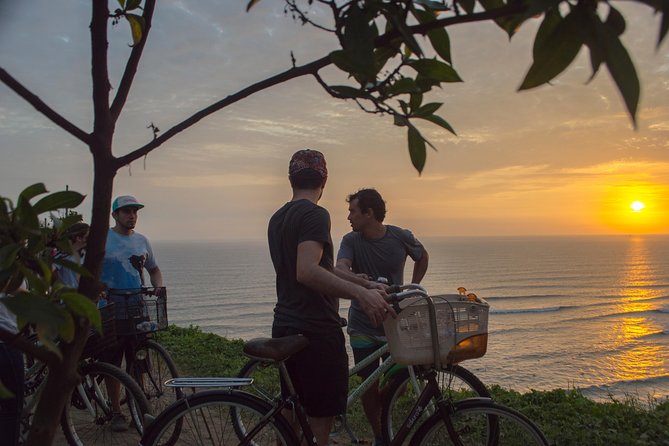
point(308, 159)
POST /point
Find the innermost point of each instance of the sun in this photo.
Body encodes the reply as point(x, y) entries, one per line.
point(637, 206)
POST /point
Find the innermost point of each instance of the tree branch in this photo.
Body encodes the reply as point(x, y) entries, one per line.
point(41, 107)
point(424, 28)
point(287, 75)
point(133, 62)
point(102, 128)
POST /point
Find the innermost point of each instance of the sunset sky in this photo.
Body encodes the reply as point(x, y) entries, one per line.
point(560, 159)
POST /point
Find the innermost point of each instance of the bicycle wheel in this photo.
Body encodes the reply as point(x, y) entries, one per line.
point(87, 419)
point(400, 395)
point(266, 382)
point(151, 366)
point(469, 425)
point(204, 418)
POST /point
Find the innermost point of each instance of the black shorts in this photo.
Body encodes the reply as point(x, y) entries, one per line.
point(319, 372)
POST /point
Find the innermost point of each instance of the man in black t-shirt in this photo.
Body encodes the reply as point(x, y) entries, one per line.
point(307, 294)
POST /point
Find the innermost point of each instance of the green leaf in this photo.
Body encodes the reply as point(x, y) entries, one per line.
point(427, 109)
point(508, 23)
point(31, 192)
point(416, 100)
point(136, 27)
point(131, 5)
point(622, 70)
point(401, 27)
point(664, 25)
point(358, 44)
point(435, 6)
point(5, 393)
point(58, 200)
point(66, 329)
point(467, 5)
point(438, 36)
point(559, 46)
point(345, 91)
point(439, 121)
point(441, 43)
point(538, 7)
point(77, 268)
point(8, 255)
point(435, 69)
point(417, 150)
point(35, 309)
point(121, 3)
point(615, 21)
point(404, 85)
point(400, 120)
point(251, 4)
point(84, 307)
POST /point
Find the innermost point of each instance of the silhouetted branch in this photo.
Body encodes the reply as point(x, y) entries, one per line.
point(287, 75)
point(102, 124)
point(132, 64)
point(41, 107)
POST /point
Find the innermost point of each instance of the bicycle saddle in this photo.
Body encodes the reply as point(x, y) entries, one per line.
point(275, 349)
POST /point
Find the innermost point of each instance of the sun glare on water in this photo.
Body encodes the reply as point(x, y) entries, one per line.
point(637, 206)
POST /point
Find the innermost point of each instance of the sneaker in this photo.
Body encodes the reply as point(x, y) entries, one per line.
point(119, 423)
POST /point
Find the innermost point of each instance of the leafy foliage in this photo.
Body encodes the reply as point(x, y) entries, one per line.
point(27, 244)
point(566, 417)
point(383, 56)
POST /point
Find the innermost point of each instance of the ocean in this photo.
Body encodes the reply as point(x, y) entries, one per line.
point(584, 312)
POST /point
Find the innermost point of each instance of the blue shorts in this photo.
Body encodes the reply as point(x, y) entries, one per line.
point(319, 372)
point(363, 346)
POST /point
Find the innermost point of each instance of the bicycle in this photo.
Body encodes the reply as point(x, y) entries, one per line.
point(86, 420)
point(141, 312)
point(402, 383)
point(207, 417)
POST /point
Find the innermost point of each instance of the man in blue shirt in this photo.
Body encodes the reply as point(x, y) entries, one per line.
point(127, 255)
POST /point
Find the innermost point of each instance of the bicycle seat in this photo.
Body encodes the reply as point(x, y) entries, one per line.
point(275, 349)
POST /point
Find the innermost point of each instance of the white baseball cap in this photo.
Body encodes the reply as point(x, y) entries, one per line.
point(126, 201)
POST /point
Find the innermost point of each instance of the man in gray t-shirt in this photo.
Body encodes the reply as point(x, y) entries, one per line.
point(370, 251)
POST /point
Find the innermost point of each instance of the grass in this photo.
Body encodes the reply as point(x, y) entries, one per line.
point(565, 416)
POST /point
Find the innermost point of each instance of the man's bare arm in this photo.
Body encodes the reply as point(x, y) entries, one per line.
point(420, 268)
point(312, 275)
point(156, 277)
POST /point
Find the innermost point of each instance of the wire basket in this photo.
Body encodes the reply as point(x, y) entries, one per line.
point(139, 310)
point(461, 326)
point(98, 342)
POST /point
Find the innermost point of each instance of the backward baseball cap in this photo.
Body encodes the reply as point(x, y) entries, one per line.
point(308, 159)
point(126, 201)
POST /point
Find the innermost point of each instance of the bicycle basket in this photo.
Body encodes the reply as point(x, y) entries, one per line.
point(462, 328)
point(139, 310)
point(98, 342)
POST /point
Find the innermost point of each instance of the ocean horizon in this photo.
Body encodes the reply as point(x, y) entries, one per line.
point(585, 312)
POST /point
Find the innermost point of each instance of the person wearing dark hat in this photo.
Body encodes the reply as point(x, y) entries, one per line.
point(127, 254)
point(308, 294)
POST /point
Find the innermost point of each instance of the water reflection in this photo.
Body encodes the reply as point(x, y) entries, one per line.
point(634, 359)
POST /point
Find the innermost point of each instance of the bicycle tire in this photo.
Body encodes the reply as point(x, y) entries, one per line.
point(469, 425)
point(83, 426)
point(266, 382)
point(456, 382)
point(204, 418)
point(150, 368)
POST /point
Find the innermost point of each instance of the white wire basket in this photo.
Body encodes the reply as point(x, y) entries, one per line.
point(461, 325)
